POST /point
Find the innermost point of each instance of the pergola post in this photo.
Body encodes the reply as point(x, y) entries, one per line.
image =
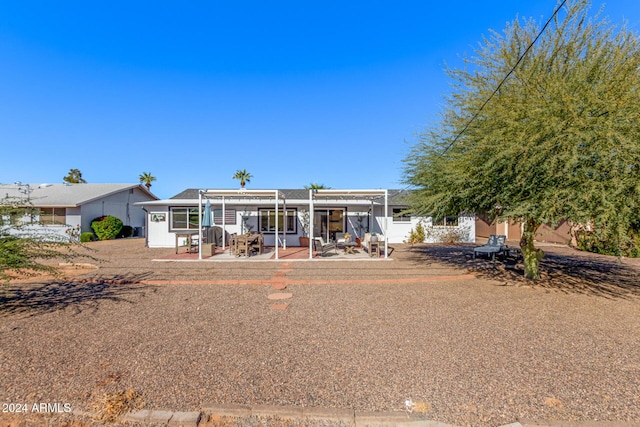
point(199, 224)
point(386, 219)
point(284, 226)
point(311, 215)
point(276, 235)
point(224, 231)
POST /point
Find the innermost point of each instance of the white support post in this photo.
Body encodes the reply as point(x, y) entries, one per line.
point(276, 234)
point(224, 230)
point(284, 226)
point(311, 215)
point(386, 218)
point(199, 224)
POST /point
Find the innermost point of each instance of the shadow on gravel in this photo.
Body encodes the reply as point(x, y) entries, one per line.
point(562, 269)
point(79, 295)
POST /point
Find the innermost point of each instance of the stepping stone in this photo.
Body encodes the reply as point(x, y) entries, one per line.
point(280, 295)
point(279, 306)
point(279, 286)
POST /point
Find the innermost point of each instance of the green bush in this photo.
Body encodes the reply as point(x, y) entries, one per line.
point(87, 236)
point(127, 231)
point(417, 235)
point(603, 244)
point(106, 227)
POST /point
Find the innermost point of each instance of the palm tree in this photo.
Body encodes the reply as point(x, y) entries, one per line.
point(146, 178)
point(316, 186)
point(243, 176)
point(74, 177)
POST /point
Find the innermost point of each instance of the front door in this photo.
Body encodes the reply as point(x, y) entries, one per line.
point(328, 222)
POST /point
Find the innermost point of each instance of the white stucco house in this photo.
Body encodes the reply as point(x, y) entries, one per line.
point(59, 207)
point(327, 212)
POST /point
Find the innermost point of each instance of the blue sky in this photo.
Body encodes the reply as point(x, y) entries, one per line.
point(295, 92)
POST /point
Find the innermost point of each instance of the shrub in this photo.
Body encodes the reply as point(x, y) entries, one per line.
point(451, 236)
point(127, 231)
point(106, 227)
point(87, 236)
point(604, 244)
point(417, 235)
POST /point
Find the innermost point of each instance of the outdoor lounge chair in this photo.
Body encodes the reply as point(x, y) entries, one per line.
point(494, 246)
point(324, 248)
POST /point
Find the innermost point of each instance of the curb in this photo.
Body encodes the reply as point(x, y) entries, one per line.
point(554, 423)
point(339, 416)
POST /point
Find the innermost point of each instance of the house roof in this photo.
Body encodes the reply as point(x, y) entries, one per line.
point(294, 194)
point(395, 196)
point(65, 195)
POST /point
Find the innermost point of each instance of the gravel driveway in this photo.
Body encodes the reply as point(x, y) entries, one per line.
point(479, 351)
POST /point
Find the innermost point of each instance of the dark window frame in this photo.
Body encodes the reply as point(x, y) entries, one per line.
point(292, 215)
point(189, 212)
point(400, 218)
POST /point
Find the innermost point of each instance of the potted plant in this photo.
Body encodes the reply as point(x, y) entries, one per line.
point(361, 228)
point(246, 227)
point(305, 222)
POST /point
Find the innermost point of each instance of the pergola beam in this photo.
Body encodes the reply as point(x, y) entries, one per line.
point(226, 195)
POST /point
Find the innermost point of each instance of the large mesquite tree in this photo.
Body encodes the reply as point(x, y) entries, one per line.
point(559, 139)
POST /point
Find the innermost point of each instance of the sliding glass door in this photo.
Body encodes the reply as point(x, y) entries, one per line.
point(328, 222)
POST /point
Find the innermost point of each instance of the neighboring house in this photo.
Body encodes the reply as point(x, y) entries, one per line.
point(337, 211)
point(59, 207)
point(513, 230)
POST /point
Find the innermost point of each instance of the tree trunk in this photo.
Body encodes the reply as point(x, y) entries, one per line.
point(531, 255)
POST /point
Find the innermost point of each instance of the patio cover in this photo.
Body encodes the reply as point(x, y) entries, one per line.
point(224, 195)
point(331, 194)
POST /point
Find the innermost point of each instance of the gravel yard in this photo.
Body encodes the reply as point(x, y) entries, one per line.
point(481, 351)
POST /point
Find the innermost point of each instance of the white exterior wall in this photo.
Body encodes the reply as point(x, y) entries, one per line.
point(466, 230)
point(399, 231)
point(160, 235)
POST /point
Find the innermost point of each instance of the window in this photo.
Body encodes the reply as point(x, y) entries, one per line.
point(447, 221)
point(400, 216)
point(229, 216)
point(184, 218)
point(267, 221)
point(53, 216)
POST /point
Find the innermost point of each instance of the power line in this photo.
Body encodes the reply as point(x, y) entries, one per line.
point(475, 116)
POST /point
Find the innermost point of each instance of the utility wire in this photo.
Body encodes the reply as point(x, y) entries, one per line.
point(475, 116)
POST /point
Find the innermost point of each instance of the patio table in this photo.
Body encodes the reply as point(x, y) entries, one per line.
point(190, 238)
point(247, 242)
point(348, 247)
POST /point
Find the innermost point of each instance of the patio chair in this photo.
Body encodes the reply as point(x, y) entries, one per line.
point(242, 246)
point(193, 244)
point(233, 243)
point(494, 246)
point(323, 247)
point(257, 244)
